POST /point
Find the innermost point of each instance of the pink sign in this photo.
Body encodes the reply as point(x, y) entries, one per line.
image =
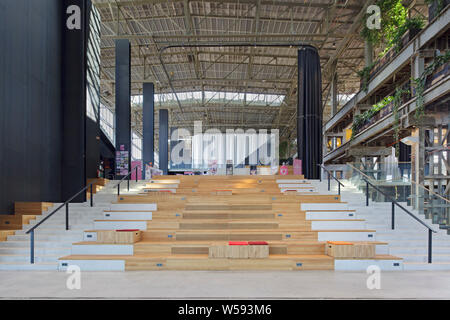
point(135, 164)
point(297, 167)
point(284, 171)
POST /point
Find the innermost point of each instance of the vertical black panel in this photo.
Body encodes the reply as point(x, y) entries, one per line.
point(74, 46)
point(30, 102)
point(123, 99)
point(164, 140)
point(309, 111)
point(148, 113)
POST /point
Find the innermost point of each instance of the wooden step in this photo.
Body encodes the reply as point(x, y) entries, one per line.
point(202, 262)
point(31, 208)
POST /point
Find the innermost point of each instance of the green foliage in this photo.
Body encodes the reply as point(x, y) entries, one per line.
point(360, 119)
point(283, 149)
point(393, 15)
point(364, 74)
point(394, 24)
point(420, 82)
point(410, 24)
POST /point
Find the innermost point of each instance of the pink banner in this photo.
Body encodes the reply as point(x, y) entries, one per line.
point(297, 167)
point(135, 164)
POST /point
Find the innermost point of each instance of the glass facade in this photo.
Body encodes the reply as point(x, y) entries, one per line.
point(93, 67)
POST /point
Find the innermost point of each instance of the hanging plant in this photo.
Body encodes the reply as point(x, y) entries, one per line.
point(364, 75)
point(398, 99)
point(408, 25)
point(393, 15)
point(420, 84)
point(360, 119)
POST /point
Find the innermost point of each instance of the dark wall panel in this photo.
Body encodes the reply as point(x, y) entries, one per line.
point(148, 113)
point(164, 140)
point(74, 46)
point(30, 101)
point(123, 97)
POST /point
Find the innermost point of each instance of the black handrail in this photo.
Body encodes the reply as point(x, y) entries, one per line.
point(329, 182)
point(31, 231)
point(128, 178)
point(395, 203)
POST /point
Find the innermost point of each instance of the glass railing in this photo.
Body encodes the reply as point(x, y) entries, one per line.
point(395, 180)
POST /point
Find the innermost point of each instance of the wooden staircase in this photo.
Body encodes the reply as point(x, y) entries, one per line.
point(188, 222)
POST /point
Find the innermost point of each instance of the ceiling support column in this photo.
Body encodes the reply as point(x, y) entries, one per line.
point(123, 107)
point(148, 126)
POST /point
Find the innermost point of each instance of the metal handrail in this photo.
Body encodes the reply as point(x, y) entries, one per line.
point(66, 204)
point(128, 179)
point(329, 182)
point(395, 203)
point(411, 180)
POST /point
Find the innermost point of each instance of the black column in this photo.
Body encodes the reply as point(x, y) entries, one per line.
point(309, 111)
point(164, 140)
point(123, 107)
point(148, 114)
point(74, 47)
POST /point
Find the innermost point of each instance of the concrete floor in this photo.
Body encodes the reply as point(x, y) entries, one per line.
point(239, 285)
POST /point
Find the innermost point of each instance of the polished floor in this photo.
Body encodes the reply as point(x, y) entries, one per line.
point(226, 285)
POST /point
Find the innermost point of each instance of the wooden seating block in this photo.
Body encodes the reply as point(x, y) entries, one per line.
point(239, 252)
point(258, 251)
point(350, 250)
point(127, 236)
point(106, 236)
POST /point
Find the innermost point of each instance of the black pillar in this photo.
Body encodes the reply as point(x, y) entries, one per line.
point(148, 114)
point(74, 48)
point(309, 111)
point(123, 107)
point(164, 141)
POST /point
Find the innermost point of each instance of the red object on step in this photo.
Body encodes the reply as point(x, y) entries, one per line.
point(238, 243)
point(258, 243)
point(127, 230)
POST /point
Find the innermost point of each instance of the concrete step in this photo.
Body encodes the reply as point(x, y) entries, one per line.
point(424, 257)
point(26, 258)
point(40, 251)
point(46, 237)
point(423, 266)
point(418, 250)
point(40, 266)
point(37, 244)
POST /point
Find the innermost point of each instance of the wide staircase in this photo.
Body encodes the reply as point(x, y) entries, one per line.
point(409, 239)
point(229, 223)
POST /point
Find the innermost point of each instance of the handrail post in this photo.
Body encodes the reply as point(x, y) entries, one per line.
point(339, 188)
point(328, 181)
point(67, 216)
point(393, 216)
point(136, 174)
point(92, 197)
point(128, 182)
point(367, 193)
point(118, 189)
point(430, 245)
point(32, 247)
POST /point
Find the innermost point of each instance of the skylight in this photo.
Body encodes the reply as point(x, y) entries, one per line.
point(217, 96)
